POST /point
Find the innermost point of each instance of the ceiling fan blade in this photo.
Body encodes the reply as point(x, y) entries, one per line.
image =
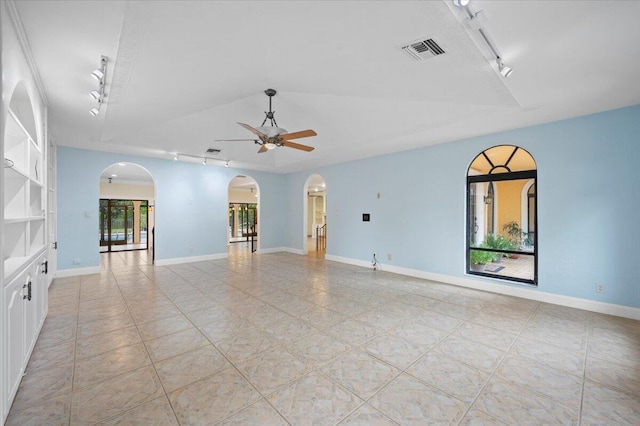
point(234, 140)
point(252, 130)
point(262, 149)
point(298, 135)
point(297, 146)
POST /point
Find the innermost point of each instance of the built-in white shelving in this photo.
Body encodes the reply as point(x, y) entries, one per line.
point(24, 226)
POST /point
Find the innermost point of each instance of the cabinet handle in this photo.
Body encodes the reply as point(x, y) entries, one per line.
point(28, 287)
point(45, 267)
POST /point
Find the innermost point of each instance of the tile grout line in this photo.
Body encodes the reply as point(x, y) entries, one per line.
point(498, 364)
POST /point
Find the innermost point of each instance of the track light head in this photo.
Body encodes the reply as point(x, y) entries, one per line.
point(204, 161)
point(95, 95)
point(98, 74)
point(175, 157)
point(461, 3)
point(226, 164)
point(94, 111)
point(503, 68)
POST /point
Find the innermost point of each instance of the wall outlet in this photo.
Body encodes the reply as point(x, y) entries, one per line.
point(388, 256)
point(190, 250)
point(600, 288)
point(77, 261)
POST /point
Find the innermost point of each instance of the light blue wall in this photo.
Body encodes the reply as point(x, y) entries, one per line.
point(190, 206)
point(588, 204)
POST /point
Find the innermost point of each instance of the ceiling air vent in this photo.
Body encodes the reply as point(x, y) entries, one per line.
point(214, 151)
point(424, 49)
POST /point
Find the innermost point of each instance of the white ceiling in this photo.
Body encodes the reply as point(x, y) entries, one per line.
point(182, 73)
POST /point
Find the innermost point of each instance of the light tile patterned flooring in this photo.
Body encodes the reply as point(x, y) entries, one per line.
point(278, 339)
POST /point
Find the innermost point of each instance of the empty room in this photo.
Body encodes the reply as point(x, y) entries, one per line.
point(320, 212)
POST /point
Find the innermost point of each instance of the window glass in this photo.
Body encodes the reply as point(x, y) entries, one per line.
point(501, 215)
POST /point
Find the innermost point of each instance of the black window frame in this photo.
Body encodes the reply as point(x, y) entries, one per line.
point(498, 177)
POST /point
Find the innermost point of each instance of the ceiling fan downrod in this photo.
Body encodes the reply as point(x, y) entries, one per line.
point(270, 115)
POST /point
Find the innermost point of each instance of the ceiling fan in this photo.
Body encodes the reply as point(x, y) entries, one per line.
point(271, 137)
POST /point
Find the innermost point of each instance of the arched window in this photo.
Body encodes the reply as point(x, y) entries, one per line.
point(502, 231)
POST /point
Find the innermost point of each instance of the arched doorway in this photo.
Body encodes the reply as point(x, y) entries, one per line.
point(243, 228)
point(315, 215)
point(127, 210)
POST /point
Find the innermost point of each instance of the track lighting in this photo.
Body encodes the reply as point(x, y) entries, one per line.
point(98, 74)
point(476, 22)
point(99, 95)
point(204, 160)
point(504, 69)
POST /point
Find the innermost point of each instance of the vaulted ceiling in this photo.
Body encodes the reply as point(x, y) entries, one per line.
point(181, 74)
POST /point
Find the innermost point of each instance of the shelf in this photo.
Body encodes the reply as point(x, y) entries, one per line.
point(15, 173)
point(10, 220)
point(12, 265)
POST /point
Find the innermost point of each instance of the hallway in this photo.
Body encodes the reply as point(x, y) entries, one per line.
point(279, 339)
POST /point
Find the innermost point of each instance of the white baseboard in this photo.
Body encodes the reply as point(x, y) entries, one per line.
point(505, 289)
point(191, 259)
point(62, 273)
point(348, 260)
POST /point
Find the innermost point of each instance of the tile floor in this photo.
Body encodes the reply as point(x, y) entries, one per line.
point(279, 339)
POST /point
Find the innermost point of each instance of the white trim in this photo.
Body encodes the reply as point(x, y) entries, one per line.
point(522, 292)
point(14, 17)
point(178, 260)
point(356, 262)
point(62, 273)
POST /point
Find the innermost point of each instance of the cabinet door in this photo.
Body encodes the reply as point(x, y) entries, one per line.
point(30, 307)
point(14, 334)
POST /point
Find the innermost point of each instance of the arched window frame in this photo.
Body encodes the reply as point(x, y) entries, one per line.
point(498, 173)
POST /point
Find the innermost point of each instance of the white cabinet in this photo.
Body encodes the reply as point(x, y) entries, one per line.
point(14, 332)
point(24, 243)
point(26, 306)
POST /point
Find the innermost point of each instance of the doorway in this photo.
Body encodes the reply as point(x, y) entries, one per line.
point(315, 216)
point(124, 225)
point(126, 210)
point(243, 224)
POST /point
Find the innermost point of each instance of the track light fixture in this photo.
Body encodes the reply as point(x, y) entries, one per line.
point(503, 68)
point(204, 160)
point(99, 74)
point(476, 22)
